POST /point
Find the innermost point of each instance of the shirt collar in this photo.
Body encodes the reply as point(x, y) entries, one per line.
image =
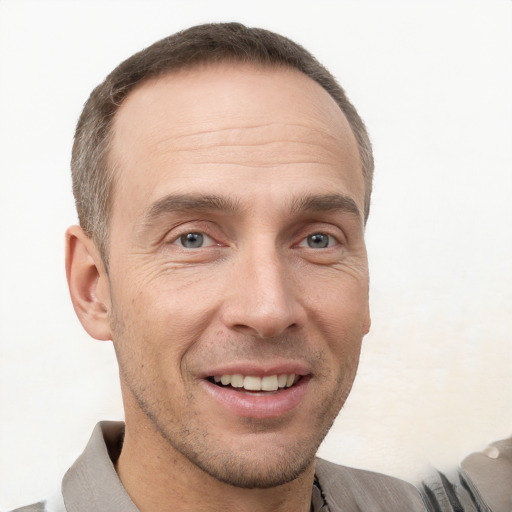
point(92, 483)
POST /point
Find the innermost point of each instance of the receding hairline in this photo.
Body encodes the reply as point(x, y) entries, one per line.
point(327, 107)
point(114, 165)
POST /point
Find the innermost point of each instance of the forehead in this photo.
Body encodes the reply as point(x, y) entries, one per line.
point(230, 121)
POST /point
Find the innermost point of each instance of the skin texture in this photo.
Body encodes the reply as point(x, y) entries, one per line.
point(256, 160)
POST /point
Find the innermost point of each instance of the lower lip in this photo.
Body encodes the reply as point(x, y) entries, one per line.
point(249, 405)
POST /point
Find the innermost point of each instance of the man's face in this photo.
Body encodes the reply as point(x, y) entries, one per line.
point(237, 254)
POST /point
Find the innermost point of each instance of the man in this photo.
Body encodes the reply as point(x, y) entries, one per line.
point(222, 181)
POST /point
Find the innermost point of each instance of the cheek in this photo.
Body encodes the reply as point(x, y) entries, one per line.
point(165, 317)
point(337, 301)
point(340, 314)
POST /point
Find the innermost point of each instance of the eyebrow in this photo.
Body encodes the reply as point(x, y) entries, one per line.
point(326, 203)
point(189, 202)
point(175, 203)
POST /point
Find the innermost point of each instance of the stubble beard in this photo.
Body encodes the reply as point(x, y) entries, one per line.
point(242, 467)
point(247, 469)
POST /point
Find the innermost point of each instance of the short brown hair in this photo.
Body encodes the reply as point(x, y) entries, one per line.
point(92, 174)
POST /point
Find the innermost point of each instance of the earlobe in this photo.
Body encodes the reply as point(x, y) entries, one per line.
point(88, 283)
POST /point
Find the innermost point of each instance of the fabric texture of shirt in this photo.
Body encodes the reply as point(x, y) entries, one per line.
point(483, 483)
point(92, 484)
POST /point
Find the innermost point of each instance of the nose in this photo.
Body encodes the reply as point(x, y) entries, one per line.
point(262, 299)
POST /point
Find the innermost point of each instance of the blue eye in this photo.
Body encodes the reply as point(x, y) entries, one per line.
point(193, 240)
point(319, 241)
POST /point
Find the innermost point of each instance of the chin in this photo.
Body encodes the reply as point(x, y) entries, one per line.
point(259, 470)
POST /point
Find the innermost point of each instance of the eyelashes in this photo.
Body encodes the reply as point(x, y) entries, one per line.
point(319, 241)
point(194, 240)
point(199, 240)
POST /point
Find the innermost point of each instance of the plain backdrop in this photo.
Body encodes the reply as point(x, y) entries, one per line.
point(432, 81)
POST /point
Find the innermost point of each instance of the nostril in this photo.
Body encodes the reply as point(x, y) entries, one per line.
point(264, 331)
point(262, 319)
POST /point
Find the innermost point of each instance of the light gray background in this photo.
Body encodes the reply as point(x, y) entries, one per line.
point(433, 82)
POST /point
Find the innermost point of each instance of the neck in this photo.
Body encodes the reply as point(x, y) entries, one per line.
point(158, 478)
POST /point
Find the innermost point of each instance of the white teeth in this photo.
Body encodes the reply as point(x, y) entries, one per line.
point(252, 383)
point(269, 383)
point(237, 381)
point(281, 381)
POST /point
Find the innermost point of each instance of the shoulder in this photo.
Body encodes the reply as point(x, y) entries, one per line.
point(481, 483)
point(489, 474)
point(357, 489)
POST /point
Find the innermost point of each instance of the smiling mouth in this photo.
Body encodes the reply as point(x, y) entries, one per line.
point(251, 383)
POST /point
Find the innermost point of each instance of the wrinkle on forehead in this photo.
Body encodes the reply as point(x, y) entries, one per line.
point(265, 144)
point(253, 135)
point(230, 102)
point(236, 116)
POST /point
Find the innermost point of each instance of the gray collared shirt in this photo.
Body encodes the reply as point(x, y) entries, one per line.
point(92, 484)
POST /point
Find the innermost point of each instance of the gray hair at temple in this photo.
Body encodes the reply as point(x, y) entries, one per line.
point(94, 176)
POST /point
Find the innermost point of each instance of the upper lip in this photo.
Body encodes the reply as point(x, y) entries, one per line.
point(258, 370)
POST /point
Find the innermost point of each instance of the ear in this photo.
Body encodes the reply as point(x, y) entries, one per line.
point(88, 283)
